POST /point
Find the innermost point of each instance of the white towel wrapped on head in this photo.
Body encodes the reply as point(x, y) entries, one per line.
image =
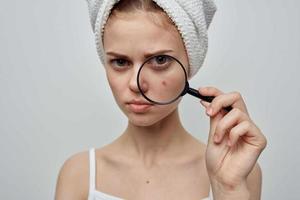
point(192, 18)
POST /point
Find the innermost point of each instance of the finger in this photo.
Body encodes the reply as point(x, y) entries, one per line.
point(238, 131)
point(213, 124)
point(209, 91)
point(231, 119)
point(233, 99)
point(206, 105)
point(250, 133)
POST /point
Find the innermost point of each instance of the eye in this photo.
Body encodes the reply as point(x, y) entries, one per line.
point(119, 63)
point(161, 59)
point(160, 62)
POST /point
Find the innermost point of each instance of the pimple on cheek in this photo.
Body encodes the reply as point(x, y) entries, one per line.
point(164, 83)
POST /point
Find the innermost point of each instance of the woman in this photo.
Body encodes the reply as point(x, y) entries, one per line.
point(155, 157)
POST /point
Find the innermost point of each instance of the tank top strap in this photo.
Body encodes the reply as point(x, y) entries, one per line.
point(210, 194)
point(92, 168)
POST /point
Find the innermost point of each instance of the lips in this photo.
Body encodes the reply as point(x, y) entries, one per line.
point(138, 106)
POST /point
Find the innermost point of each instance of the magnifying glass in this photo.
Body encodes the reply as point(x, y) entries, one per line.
point(162, 79)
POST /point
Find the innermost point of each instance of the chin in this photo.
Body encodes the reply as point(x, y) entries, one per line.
point(143, 121)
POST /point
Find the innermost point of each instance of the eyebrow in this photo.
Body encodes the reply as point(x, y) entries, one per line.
point(146, 55)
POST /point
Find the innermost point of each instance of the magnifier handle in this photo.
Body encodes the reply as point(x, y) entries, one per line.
point(209, 99)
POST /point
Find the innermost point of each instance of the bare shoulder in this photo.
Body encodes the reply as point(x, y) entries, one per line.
point(196, 145)
point(254, 182)
point(73, 180)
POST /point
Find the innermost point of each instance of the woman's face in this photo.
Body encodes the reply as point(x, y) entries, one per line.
point(128, 41)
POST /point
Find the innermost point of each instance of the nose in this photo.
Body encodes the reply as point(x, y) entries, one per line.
point(133, 81)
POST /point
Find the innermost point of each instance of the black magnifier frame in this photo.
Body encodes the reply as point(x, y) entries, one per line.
point(186, 89)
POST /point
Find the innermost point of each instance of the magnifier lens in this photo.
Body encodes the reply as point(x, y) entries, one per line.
point(162, 79)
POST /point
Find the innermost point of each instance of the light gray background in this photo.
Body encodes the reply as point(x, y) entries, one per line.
point(55, 100)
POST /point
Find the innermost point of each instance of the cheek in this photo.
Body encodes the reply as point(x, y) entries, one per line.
point(117, 84)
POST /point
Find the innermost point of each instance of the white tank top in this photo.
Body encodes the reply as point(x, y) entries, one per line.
point(97, 195)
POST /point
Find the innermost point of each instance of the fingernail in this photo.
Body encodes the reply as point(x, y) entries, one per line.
point(216, 138)
point(209, 111)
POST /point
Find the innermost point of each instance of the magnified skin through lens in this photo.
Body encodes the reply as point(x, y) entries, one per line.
point(164, 77)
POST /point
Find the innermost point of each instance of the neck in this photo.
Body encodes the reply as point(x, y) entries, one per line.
point(155, 142)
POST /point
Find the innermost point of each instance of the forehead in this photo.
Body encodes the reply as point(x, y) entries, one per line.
point(140, 32)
